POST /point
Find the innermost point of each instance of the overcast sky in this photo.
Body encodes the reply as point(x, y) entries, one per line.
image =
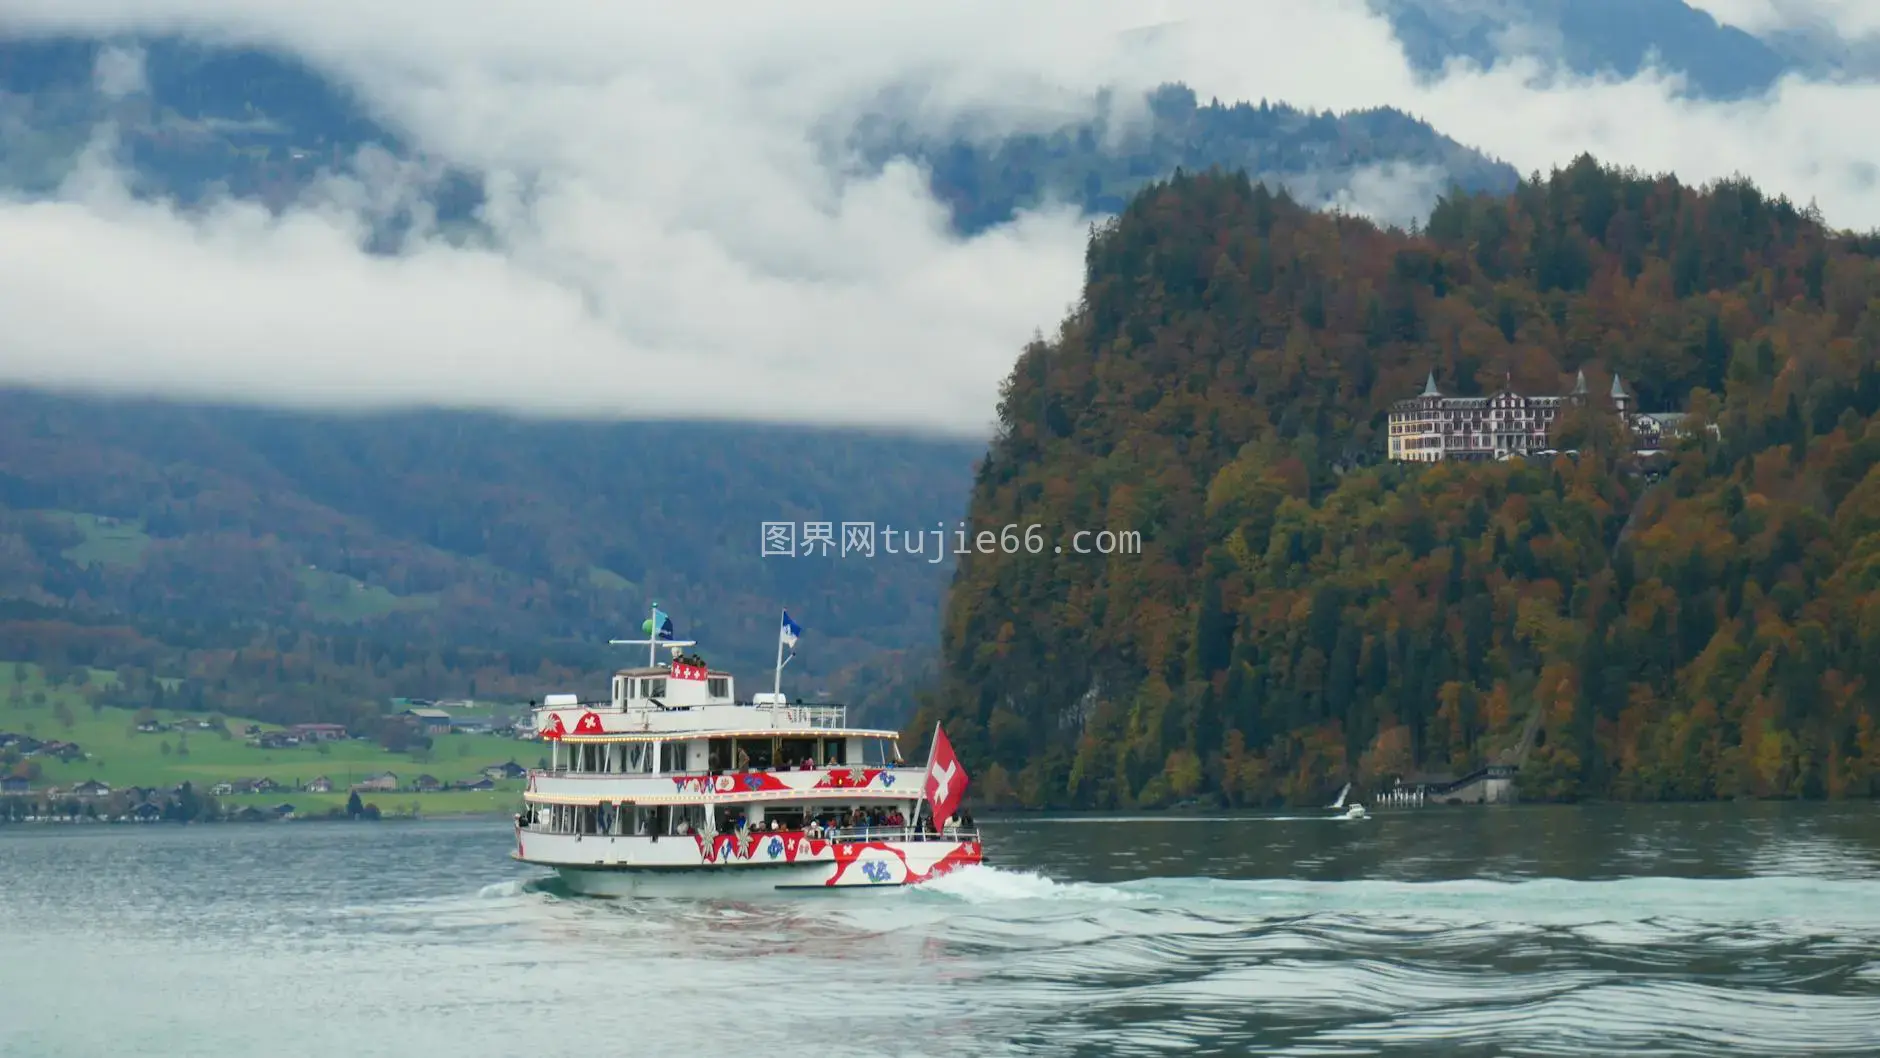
point(671, 241)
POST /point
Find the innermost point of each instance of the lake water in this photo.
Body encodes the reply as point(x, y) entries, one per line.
point(1722, 929)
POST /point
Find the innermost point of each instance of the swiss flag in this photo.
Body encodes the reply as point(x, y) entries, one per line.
point(554, 730)
point(687, 672)
point(946, 780)
point(589, 724)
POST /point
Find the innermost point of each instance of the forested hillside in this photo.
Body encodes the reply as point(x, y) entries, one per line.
point(299, 567)
point(1323, 158)
point(1704, 627)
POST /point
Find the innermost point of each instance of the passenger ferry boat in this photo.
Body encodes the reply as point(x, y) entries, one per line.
point(674, 787)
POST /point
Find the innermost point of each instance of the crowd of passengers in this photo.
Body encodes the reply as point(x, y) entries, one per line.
point(858, 823)
point(806, 764)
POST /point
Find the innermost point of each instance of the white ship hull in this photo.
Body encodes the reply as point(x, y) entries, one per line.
point(729, 865)
point(704, 883)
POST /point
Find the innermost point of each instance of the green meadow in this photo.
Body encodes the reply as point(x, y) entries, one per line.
point(123, 756)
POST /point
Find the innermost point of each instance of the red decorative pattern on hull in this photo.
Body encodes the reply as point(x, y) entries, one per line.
point(847, 778)
point(847, 855)
point(730, 782)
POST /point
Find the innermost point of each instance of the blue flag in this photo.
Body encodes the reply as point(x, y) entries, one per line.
point(660, 626)
point(790, 631)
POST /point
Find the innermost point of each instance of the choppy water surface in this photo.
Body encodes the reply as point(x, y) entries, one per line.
point(1725, 930)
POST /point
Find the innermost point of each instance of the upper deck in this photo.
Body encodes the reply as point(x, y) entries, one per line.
point(688, 699)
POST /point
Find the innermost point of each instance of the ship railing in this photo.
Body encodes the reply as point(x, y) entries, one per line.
point(892, 833)
point(826, 716)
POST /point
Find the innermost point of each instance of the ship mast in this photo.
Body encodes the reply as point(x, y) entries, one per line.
point(653, 641)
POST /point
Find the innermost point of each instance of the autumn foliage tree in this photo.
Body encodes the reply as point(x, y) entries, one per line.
point(1703, 624)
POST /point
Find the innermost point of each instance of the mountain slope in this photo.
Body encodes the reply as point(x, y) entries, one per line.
point(1378, 159)
point(1298, 616)
point(470, 547)
point(1590, 37)
point(194, 119)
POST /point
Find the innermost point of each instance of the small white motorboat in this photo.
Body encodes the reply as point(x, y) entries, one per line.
point(1353, 810)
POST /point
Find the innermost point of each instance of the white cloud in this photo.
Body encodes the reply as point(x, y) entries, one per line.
point(670, 238)
point(119, 72)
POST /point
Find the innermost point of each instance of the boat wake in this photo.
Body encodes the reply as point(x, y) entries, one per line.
point(986, 884)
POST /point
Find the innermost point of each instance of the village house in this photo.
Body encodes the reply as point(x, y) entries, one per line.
point(377, 783)
point(319, 732)
point(476, 784)
point(222, 789)
point(426, 784)
point(429, 721)
point(321, 784)
point(506, 770)
point(15, 784)
point(92, 788)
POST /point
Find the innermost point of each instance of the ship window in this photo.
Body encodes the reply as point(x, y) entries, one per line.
point(717, 686)
point(835, 752)
point(636, 757)
point(688, 819)
point(759, 754)
point(672, 756)
point(656, 687)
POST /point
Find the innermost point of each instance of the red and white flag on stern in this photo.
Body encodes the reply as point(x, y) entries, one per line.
point(946, 780)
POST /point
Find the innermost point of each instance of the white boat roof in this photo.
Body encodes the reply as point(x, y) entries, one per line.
point(685, 698)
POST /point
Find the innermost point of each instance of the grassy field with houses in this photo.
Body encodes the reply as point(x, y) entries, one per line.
point(188, 747)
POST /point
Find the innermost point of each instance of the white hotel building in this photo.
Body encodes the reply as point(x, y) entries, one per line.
point(1430, 426)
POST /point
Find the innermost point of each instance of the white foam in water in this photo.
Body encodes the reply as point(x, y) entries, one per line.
point(513, 887)
point(982, 884)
